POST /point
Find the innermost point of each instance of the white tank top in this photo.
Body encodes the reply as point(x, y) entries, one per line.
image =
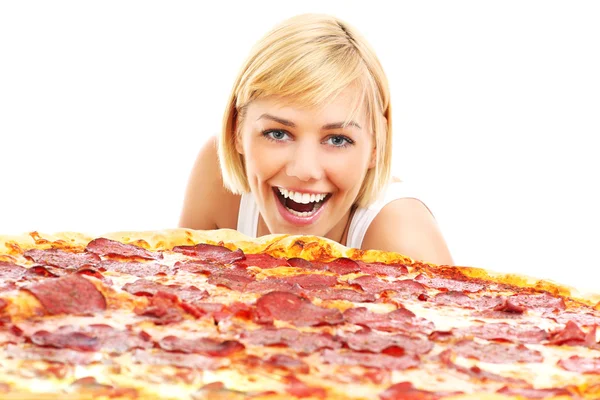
point(248, 215)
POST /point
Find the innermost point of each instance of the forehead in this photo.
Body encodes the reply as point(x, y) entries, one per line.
point(346, 106)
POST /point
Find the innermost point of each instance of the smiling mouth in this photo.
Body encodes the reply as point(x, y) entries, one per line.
point(303, 209)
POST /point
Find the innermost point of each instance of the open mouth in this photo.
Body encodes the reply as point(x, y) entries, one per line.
point(301, 205)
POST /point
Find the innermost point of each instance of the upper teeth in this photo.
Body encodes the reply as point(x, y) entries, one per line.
point(303, 198)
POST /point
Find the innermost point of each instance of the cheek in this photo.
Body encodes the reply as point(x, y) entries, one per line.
point(261, 163)
point(347, 173)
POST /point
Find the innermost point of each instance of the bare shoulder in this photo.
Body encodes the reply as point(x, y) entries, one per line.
point(407, 226)
point(207, 204)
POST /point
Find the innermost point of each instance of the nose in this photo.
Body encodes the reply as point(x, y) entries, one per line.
point(305, 164)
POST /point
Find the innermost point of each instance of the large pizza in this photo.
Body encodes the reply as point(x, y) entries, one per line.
point(217, 315)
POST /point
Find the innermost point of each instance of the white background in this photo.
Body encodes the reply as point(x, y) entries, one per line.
point(496, 109)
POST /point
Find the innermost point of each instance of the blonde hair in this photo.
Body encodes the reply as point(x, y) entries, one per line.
point(311, 58)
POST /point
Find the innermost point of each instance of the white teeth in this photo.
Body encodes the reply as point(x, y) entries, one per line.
point(303, 198)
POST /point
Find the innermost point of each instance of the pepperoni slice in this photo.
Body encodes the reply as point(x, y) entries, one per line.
point(571, 335)
point(540, 302)
point(91, 338)
point(232, 278)
point(61, 259)
point(401, 319)
point(305, 342)
point(11, 271)
point(347, 357)
point(143, 287)
point(263, 261)
point(449, 284)
point(207, 346)
point(454, 298)
point(163, 308)
point(211, 253)
point(497, 353)
point(532, 393)
point(70, 294)
point(139, 269)
point(503, 331)
point(446, 357)
point(367, 340)
point(63, 356)
point(108, 247)
point(342, 266)
point(289, 307)
point(297, 388)
point(581, 365)
point(302, 263)
point(390, 270)
point(406, 391)
point(342, 294)
point(312, 281)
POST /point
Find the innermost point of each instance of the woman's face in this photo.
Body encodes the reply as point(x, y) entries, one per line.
point(304, 167)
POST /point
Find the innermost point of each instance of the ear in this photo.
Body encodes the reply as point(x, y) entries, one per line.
point(238, 143)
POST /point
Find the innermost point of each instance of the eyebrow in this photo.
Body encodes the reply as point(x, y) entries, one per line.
point(337, 125)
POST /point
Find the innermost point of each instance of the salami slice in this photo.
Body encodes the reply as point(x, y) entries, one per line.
point(61, 259)
point(497, 353)
point(346, 357)
point(71, 294)
point(305, 342)
point(581, 365)
point(406, 391)
point(401, 319)
point(211, 253)
point(206, 346)
point(158, 357)
point(11, 271)
point(289, 307)
point(263, 261)
point(107, 247)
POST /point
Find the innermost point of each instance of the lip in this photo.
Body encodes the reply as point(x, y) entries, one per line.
point(301, 190)
point(294, 219)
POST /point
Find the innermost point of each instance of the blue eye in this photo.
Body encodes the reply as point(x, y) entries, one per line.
point(339, 141)
point(275, 135)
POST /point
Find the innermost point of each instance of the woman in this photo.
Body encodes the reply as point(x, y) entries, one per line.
point(306, 148)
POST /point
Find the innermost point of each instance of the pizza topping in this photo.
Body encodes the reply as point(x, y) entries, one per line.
point(312, 281)
point(497, 353)
point(510, 306)
point(503, 331)
point(406, 391)
point(91, 338)
point(71, 294)
point(449, 284)
point(580, 318)
point(532, 393)
point(447, 358)
point(212, 253)
point(367, 340)
point(63, 356)
point(60, 258)
point(581, 365)
point(390, 270)
point(11, 271)
point(302, 263)
point(143, 287)
point(305, 342)
point(158, 357)
point(539, 302)
point(401, 319)
point(297, 388)
point(207, 346)
point(263, 261)
point(348, 357)
point(572, 335)
point(342, 266)
point(371, 284)
point(454, 298)
point(138, 269)
point(112, 248)
point(164, 308)
point(232, 278)
point(289, 307)
point(342, 294)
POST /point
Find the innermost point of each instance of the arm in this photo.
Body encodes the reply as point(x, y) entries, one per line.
point(406, 226)
point(206, 200)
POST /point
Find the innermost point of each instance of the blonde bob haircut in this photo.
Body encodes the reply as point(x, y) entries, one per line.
point(311, 58)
